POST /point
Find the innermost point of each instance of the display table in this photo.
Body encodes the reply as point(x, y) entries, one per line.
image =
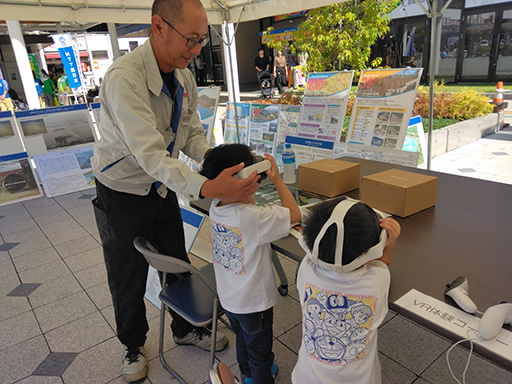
point(468, 232)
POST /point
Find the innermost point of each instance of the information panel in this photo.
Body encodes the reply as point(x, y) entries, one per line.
point(17, 179)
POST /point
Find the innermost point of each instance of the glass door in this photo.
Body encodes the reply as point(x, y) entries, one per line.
point(504, 57)
point(478, 43)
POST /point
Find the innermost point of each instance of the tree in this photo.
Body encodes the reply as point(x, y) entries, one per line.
point(340, 34)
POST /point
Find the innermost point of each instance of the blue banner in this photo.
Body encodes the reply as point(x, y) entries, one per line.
point(70, 66)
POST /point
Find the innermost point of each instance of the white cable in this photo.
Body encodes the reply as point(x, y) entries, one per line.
point(469, 357)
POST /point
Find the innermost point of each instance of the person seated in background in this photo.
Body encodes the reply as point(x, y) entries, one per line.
point(5, 98)
point(343, 285)
point(241, 237)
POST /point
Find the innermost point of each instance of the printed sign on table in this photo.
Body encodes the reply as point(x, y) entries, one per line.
point(65, 171)
point(384, 155)
point(383, 107)
point(324, 105)
point(415, 139)
point(288, 121)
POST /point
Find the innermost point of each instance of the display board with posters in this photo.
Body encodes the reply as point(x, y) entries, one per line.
point(96, 110)
point(17, 179)
point(383, 106)
point(263, 123)
point(207, 101)
point(242, 114)
point(324, 105)
point(65, 171)
point(56, 128)
point(10, 140)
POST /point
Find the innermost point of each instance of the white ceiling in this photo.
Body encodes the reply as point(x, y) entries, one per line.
point(139, 11)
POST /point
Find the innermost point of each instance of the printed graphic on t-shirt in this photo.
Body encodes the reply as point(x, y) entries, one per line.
point(228, 248)
point(336, 326)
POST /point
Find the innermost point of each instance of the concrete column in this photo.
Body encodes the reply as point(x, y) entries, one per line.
point(231, 62)
point(59, 28)
point(20, 52)
point(113, 40)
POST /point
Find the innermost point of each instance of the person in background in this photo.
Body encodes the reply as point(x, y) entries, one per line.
point(5, 98)
point(38, 83)
point(48, 89)
point(261, 63)
point(280, 71)
point(148, 115)
point(200, 72)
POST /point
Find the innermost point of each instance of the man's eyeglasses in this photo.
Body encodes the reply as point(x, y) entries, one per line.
point(191, 42)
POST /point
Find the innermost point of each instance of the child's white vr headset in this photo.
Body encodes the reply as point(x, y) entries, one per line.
point(337, 217)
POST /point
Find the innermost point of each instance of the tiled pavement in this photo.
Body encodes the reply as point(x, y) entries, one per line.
point(57, 323)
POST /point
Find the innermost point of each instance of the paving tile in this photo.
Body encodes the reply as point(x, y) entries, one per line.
point(13, 306)
point(100, 296)
point(413, 346)
point(82, 212)
point(7, 268)
point(71, 200)
point(24, 290)
point(21, 359)
point(29, 246)
point(287, 314)
point(85, 259)
point(394, 373)
point(285, 360)
point(23, 236)
point(64, 311)
point(36, 259)
point(480, 370)
point(76, 246)
point(105, 358)
point(55, 364)
point(66, 235)
point(44, 273)
point(18, 329)
point(92, 276)
point(80, 334)
point(52, 217)
point(10, 227)
point(8, 283)
point(14, 213)
point(41, 380)
point(54, 290)
point(292, 339)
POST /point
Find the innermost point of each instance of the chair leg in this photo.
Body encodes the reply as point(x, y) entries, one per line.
point(161, 347)
point(214, 331)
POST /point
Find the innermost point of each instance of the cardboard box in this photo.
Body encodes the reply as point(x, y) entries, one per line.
point(329, 177)
point(399, 192)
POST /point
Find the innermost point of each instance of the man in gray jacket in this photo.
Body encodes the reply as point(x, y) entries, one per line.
point(148, 114)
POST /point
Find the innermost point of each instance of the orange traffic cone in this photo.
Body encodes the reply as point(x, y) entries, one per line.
point(498, 95)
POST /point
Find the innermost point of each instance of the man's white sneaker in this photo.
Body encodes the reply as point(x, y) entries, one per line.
point(135, 365)
point(201, 338)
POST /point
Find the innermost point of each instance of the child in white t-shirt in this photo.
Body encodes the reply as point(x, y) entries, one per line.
point(241, 237)
point(343, 285)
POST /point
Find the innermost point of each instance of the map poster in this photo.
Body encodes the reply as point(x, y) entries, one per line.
point(10, 140)
point(17, 179)
point(65, 171)
point(415, 139)
point(243, 110)
point(383, 106)
point(288, 122)
point(324, 105)
point(56, 128)
point(264, 119)
point(207, 100)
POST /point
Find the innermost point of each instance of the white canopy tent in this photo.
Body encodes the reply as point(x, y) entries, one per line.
point(139, 11)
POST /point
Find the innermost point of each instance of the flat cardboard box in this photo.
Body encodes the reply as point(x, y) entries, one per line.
point(399, 192)
point(329, 177)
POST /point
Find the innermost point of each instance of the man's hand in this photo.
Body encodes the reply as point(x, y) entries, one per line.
point(225, 186)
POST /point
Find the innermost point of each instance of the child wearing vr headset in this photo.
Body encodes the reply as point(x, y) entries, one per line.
point(343, 285)
point(241, 237)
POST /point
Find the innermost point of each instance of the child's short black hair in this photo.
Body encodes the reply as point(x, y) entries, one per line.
point(361, 231)
point(225, 156)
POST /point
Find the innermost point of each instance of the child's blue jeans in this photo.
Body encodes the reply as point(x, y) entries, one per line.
point(254, 344)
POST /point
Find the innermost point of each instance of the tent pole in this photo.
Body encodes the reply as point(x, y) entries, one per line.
point(232, 78)
point(431, 68)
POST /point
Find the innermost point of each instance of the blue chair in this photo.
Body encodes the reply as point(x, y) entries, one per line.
point(194, 296)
